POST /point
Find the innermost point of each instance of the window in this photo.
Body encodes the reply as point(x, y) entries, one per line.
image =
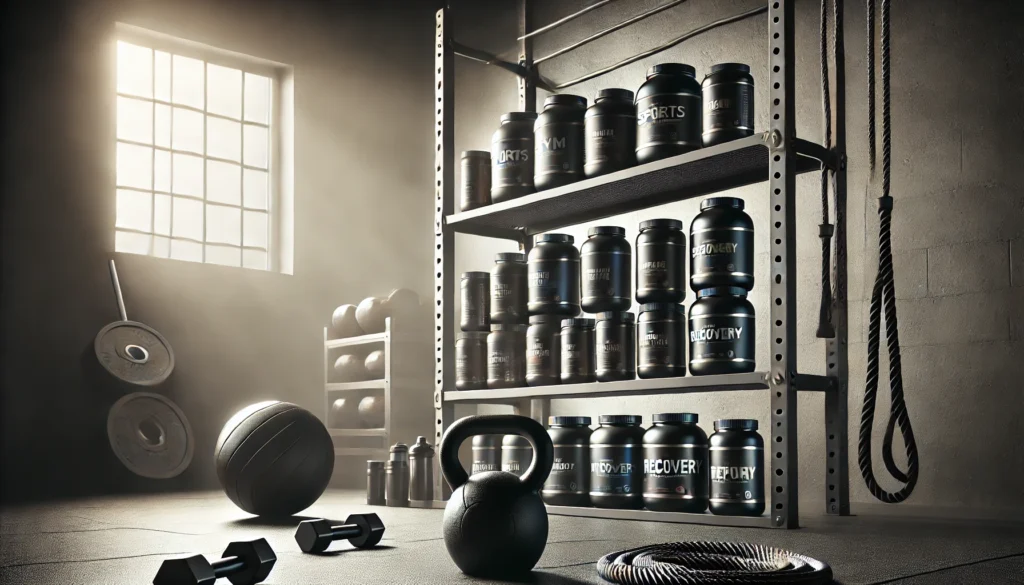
point(198, 153)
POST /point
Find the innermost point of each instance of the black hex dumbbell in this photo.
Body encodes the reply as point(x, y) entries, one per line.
point(244, 563)
point(361, 530)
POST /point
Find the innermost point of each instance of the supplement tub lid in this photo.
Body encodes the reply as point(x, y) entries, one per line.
point(519, 117)
point(569, 421)
point(722, 202)
point(616, 94)
point(663, 223)
point(606, 230)
point(736, 424)
point(628, 419)
point(556, 238)
point(565, 99)
point(652, 307)
point(738, 67)
point(510, 257)
point(722, 291)
point(616, 316)
point(476, 154)
point(672, 69)
point(578, 322)
point(508, 327)
point(676, 417)
point(476, 274)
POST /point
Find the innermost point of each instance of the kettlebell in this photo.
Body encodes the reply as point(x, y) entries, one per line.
point(495, 524)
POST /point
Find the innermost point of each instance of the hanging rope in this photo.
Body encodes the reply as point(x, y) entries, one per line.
point(826, 330)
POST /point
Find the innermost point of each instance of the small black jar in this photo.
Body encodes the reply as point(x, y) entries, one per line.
point(610, 126)
point(471, 361)
point(606, 260)
point(661, 345)
point(722, 332)
point(616, 462)
point(577, 342)
point(569, 482)
point(722, 245)
point(476, 302)
point(543, 350)
point(558, 136)
point(554, 276)
point(661, 262)
point(737, 468)
point(516, 454)
point(509, 289)
point(506, 356)
point(728, 103)
point(676, 464)
point(616, 347)
point(512, 157)
point(668, 112)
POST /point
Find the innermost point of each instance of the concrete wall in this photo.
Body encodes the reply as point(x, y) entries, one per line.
point(957, 229)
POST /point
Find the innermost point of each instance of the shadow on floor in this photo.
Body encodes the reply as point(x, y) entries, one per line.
point(277, 522)
point(543, 578)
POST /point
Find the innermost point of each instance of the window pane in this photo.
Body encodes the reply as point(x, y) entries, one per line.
point(224, 255)
point(163, 125)
point(255, 229)
point(254, 259)
point(223, 138)
point(255, 186)
point(188, 175)
point(135, 120)
point(188, 219)
point(223, 182)
point(134, 210)
point(223, 224)
point(188, 130)
point(134, 166)
point(186, 250)
point(134, 69)
point(188, 81)
point(162, 171)
point(131, 243)
point(162, 214)
point(224, 91)
point(256, 146)
point(163, 76)
point(161, 247)
point(257, 98)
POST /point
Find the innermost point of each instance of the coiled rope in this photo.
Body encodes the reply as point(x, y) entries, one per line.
point(711, 563)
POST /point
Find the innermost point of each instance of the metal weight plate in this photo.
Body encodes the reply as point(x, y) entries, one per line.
point(134, 353)
point(150, 435)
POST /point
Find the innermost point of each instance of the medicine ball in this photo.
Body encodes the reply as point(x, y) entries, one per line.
point(374, 364)
point(370, 315)
point(274, 459)
point(371, 412)
point(344, 322)
point(344, 413)
point(403, 303)
point(350, 368)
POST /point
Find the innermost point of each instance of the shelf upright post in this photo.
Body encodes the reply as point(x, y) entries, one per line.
point(389, 336)
point(781, 450)
point(444, 237)
point(327, 378)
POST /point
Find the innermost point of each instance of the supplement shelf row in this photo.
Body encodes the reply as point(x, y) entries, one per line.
point(706, 518)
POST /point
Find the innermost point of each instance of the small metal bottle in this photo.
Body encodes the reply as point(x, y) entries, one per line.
point(421, 471)
point(398, 476)
point(375, 483)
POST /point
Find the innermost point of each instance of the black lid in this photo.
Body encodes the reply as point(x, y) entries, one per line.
point(557, 238)
point(736, 424)
point(510, 257)
point(508, 327)
point(606, 230)
point(422, 448)
point(659, 307)
point(514, 441)
point(399, 448)
point(476, 154)
point(519, 117)
point(375, 464)
point(672, 69)
point(545, 319)
point(473, 335)
point(628, 419)
point(569, 421)
point(672, 224)
point(675, 417)
point(615, 93)
point(565, 99)
point(722, 291)
point(476, 274)
point(721, 202)
point(578, 322)
point(739, 67)
point(615, 316)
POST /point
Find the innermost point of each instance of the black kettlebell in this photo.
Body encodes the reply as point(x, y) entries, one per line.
point(495, 524)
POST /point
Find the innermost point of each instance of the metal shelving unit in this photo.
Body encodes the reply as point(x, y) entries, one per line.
point(774, 156)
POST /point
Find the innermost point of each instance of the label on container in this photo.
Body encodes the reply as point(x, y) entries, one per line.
point(539, 358)
point(610, 139)
point(676, 471)
point(659, 344)
point(576, 356)
point(554, 281)
point(736, 475)
point(606, 276)
point(615, 470)
point(470, 362)
point(660, 267)
point(728, 106)
point(611, 357)
point(722, 253)
point(559, 149)
point(475, 304)
point(722, 338)
point(508, 298)
point(516, 459)
point(512, 160)
point(505, 367)
point(570, 473)
point(483, 463)
point(672, 119)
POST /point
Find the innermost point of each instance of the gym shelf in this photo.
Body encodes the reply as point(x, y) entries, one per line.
point(675, 517)
point(358, 432)
point(360, 451)
point(356, 386)
point(368, 339)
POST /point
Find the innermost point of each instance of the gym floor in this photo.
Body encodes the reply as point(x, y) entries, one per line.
point(122, 540)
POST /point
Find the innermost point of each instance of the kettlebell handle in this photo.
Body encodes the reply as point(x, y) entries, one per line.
point(506, 424)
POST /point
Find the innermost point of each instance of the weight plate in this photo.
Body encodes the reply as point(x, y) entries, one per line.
point(150, 435)
point(134, 353)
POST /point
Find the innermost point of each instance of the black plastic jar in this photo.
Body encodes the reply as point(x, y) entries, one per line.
point(668, 112)
point(543, 350)
point(509, 289)
point(486, 453)
point(661, 346)
point(471, 361)
point(737, 468)
point(512, 157)
point(616, 462)
point(661, 262)
point(676, 464)
point(476, 180)
point(616, 346)
point(476, 302)
point(728, 103)
point(516, 454)
point(506, 356)
point(606, 261)
point(722, 245)
point(577, 361)
point(569, 482)
point(554, 273)
point(610, 126)
point(558, 136)
point(722, 333)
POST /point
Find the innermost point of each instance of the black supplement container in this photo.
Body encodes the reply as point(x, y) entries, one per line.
point(476, 302)
point(668, 112)
point(471, 361)
point(616, 462)
point(661, 343)
point(615, 346)
point(569, 482)
point(543, 350)
point(722, 333)
point(606, 261)
point(676, 464)
point(506, 356)
point(554, 276)
point(509, 289)
point(610, 126)
point(577, 360)
point(728, 103)
point(512, 157)
point(737, 468)
point(661, 262)
point(486, 453)
point(476, 180)
point(722, 245)
point(516, 454)
point(558, 138)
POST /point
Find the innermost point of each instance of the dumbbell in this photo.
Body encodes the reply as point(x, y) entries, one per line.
point(244, 563)
point(361, 530)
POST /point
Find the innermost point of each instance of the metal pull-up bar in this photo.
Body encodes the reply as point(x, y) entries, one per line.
point(564, 20)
